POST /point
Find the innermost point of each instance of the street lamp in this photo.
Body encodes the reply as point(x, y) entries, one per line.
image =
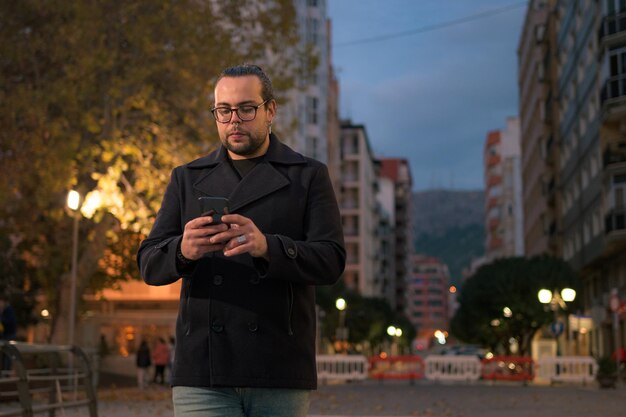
point(73, 202)
point(395, 333)
point(556, 301)
point(342, 332)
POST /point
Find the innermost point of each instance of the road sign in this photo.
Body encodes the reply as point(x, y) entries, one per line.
point(557, 328)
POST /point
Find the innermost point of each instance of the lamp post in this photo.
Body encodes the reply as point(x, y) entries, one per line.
point(73, 202)
point(556, 301)
point(395, 333)
point(342, 332)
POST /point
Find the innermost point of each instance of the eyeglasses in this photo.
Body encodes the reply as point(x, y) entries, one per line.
point(245, 113)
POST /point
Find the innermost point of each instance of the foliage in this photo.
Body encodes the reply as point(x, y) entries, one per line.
point(366, 318)
point(512, 283)
point(606, 366)
point(107, 97)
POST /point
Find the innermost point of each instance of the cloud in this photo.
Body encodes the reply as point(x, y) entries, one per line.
point(434, 97)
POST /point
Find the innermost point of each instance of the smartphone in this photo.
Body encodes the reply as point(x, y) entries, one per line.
point(215, 207)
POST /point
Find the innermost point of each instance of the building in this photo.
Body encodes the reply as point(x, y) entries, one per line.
point(579, 88)
point(538, 130)
point(591, 44)
point(427, 296)
point(503, 192)
point(304, 118)
point(386, 236)
point(359, 213)
point(398, 171)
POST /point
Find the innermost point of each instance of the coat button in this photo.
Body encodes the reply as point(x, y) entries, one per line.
point(254, 279)
point(253, 327)
point(217, 327)
point(291, 252)
point(218, 280)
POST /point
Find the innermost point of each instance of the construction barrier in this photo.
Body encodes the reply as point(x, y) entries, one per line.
point(452, 368)
point(580, 369)
point(508, 368)
point(341, 367)
point(409, 367)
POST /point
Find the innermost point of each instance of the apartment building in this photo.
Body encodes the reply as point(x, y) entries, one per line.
point(399, 172)
point(503, 192)
point(538, 130)
point(427, 296)
point(304, 118)
point(583, 109)
point(386, 199)
point(359, 214)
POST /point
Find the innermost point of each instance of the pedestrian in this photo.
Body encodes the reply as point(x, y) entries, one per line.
point(245, 333)
point(170, 362)
point(160, 357)
point(143, 362)
point(8, 329)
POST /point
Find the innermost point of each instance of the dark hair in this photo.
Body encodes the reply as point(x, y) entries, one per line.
point(267, 91)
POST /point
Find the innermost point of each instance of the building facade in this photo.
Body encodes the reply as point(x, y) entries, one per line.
point(304, 118)
point(582, 103)
point(358, 210)
point(399, 172)
point(428, 296)
point(503, 192)
point(538, 133)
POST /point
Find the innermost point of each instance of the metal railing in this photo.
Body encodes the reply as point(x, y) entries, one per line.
point(60, 373)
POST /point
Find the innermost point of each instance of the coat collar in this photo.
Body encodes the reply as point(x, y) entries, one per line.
point(220, 179)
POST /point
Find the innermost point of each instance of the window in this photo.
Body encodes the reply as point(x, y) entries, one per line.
point(311, 110)
point(312, 147)
point(312, 26)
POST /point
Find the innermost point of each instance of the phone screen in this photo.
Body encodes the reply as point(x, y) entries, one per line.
point(214, 206)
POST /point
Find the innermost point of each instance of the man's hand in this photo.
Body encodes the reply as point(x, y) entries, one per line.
point(196, 240)
point(242, 237)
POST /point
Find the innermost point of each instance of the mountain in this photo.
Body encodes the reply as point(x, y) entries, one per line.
point(449, 225)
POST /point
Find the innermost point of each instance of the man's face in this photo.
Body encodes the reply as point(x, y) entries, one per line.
point(244, 139)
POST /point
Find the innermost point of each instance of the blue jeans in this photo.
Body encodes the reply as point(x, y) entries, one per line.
point(239, 402)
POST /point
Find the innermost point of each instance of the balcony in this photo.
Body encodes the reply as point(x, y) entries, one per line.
point(613, 97)
point(615, 221)
point(612, 156)
point(612, 29)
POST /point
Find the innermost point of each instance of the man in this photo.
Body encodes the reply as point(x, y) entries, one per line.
point(245, 333)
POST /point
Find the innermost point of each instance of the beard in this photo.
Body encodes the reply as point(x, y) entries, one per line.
point(247, 144)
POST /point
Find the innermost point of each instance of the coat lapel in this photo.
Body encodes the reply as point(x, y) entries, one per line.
point(221, 180)
point(264, 179)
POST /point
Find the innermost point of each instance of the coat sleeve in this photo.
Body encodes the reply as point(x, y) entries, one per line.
point(157, 253)
point(320, 258)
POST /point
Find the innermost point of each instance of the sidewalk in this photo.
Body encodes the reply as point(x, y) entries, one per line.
point(400, 399)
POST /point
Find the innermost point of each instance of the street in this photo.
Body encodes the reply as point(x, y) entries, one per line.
point(400, 399)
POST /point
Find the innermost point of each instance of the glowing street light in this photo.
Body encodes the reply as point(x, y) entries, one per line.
point(73, 202)
point(342, 331)
point(556, 301)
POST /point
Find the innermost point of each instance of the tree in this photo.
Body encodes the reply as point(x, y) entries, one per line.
point(107, 97)
point(511, 283)
point(367, 318)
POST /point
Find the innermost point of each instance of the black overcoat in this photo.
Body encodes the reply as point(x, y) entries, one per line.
point(246, 322)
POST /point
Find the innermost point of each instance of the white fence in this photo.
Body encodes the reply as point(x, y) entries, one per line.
point(581, 369)
point(341, 367)
point(452, 368)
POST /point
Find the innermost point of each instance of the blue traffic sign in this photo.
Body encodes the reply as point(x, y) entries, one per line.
point(557, 328)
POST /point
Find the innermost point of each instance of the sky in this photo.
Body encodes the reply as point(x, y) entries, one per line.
point(433, 95)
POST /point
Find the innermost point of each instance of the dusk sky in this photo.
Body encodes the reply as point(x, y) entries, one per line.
point(430, 96)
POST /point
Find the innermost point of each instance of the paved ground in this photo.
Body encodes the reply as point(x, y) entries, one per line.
point(399, 399)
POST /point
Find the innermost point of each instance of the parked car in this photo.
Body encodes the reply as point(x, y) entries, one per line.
point(471, 350)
